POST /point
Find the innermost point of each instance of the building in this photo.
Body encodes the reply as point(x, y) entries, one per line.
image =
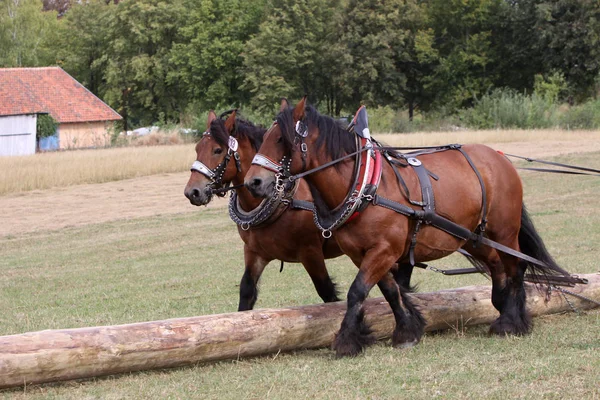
point(84, 120)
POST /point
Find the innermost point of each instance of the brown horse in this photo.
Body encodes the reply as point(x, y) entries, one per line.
point(291, 237)
point(379, 236)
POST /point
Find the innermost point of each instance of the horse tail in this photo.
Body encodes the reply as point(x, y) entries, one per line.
point(532, 245)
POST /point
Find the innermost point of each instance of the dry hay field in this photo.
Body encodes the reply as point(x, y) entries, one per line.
point(106, 237)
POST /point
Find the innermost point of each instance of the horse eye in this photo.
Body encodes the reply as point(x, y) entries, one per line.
point(280, 139)
point(218, 150)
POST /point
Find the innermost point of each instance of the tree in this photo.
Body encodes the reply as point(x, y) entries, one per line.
point(208, 55)
point(391, 47)
point(569, 34)
point(24, 32)
point(82, 45)
point(463, 40)
point(295, 52)
point(141, 34)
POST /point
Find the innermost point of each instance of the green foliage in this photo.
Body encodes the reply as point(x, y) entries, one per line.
point(568, 31)
point(24, 32)
point(207, 57)
point(296, 52)
point(141, 34)
point(392, 52)
point(162, 62)
point(45, 126)
point(82, 45)
point(550, 87)
point(584, 116)
point(508, 109)
point(463, 32)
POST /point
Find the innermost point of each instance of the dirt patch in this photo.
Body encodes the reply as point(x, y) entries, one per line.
point(163, 194)
point(95, 203)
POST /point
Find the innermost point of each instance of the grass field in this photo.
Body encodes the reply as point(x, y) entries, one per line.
point(190, 264)
point(48, 170)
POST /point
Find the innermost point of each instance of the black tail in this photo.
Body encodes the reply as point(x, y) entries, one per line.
point(532, 244)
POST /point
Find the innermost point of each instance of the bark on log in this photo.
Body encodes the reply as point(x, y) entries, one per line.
point(55, 355)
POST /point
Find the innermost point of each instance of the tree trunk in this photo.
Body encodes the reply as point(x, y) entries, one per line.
point(55, 355)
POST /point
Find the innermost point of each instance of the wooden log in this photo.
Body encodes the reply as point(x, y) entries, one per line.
point(55, 355)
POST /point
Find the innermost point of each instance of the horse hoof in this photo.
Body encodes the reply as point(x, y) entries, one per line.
point(351, 343)
point(503, 327)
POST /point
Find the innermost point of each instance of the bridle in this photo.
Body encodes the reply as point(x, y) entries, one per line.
point(216, 174)
point(282, 168)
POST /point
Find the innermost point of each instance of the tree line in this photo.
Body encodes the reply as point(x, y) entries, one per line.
point(156, 60)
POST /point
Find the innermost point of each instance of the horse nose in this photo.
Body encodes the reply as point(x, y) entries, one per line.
point(255, 183)
point(192, 194)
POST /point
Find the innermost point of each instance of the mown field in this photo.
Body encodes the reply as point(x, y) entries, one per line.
point(190, 264)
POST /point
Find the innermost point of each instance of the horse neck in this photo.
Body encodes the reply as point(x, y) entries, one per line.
point(333, 183)
point(247, 201)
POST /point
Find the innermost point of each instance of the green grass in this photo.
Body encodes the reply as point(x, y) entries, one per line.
point(191, 264)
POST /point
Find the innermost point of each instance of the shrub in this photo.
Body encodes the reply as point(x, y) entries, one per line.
point(583, 116)
point(45, 126)
point(505, 108)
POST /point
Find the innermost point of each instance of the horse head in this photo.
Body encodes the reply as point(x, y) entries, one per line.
point(284, 150)
point(212, 169)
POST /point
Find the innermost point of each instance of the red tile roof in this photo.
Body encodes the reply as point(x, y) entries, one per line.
point(50, 90)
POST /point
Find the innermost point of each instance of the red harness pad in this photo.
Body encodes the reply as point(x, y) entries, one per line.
point(373, 176)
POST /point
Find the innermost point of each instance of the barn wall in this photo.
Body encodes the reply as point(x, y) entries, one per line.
point(84, 134)
point(17, 135)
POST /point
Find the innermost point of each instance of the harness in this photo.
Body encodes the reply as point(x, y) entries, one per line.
point(367, 176)
point(428, 214)
point(216, 175)
point(267, 212)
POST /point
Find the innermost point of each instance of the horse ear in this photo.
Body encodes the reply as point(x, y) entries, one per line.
point(211, 117)
point(230, 122)
point(284, 105)
point(299, 110)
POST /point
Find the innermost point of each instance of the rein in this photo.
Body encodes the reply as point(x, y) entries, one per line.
point(375, 148)
point(586, 171)
point(327, 165)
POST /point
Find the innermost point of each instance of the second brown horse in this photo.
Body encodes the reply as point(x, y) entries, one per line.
point(292, 237)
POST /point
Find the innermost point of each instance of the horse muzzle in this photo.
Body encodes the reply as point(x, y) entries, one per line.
point(260, 186)
point(197, 196)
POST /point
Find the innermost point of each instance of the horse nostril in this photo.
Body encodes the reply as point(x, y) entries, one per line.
point(256, 182)
point(194, 193)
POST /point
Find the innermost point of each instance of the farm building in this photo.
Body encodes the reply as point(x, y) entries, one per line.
point(83, 119)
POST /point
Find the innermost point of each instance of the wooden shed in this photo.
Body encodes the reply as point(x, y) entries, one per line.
point(17, 135)
point(84, 120)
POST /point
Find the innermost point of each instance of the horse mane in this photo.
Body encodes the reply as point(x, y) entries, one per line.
point(243, 129)
point(332, 133)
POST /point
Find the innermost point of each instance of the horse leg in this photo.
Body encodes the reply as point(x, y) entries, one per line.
point(514, 318)
point(508, 291)
point(255, 265)
point(402, 272)
point(354, 334)
point(314, 263)
point(410, 323)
